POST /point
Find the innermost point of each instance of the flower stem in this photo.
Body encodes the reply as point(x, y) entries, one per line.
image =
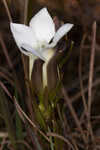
point(45, 77)
point(48, 54)
point(32, 59)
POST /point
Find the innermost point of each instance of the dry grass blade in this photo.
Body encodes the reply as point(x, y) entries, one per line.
point(73, 141)
point(6, 78)
point(92, 57)
point(5, 52)
point(24, 143)
point(17, 142)
point(78, 95)
point(68, 102)
point(91, 68)
point(27, 118)
point(7, 10)
point(10, 63)
point(80, 73)
point(5, 71)
point(61, 138)
point(5, 89)
point(25, 11)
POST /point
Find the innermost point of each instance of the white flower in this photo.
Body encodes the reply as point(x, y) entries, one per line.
point(34, 39)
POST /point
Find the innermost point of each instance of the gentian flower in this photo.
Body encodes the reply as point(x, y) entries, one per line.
point(35, 40)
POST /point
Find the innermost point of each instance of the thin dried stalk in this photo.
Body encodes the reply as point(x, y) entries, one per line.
point(24, 143)
point(3, 75)
point(5, 52)
point(91, 72)
point(7, 118)
point(80, 73)
point(10, 64)
point(25, 11)
point(61, 138)
point(7, 10)
point(27, 118)
point(68, 102)
point(5, 89)
point(78, 95)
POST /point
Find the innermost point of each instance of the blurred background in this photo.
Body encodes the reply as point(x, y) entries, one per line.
point(75, 72)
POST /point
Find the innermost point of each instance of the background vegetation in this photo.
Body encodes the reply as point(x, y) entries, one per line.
point(66, 115)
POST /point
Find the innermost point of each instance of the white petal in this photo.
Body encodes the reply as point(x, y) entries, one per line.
point(23, 34)
point(60, 33)
point(32, 51)
point(43, 26)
